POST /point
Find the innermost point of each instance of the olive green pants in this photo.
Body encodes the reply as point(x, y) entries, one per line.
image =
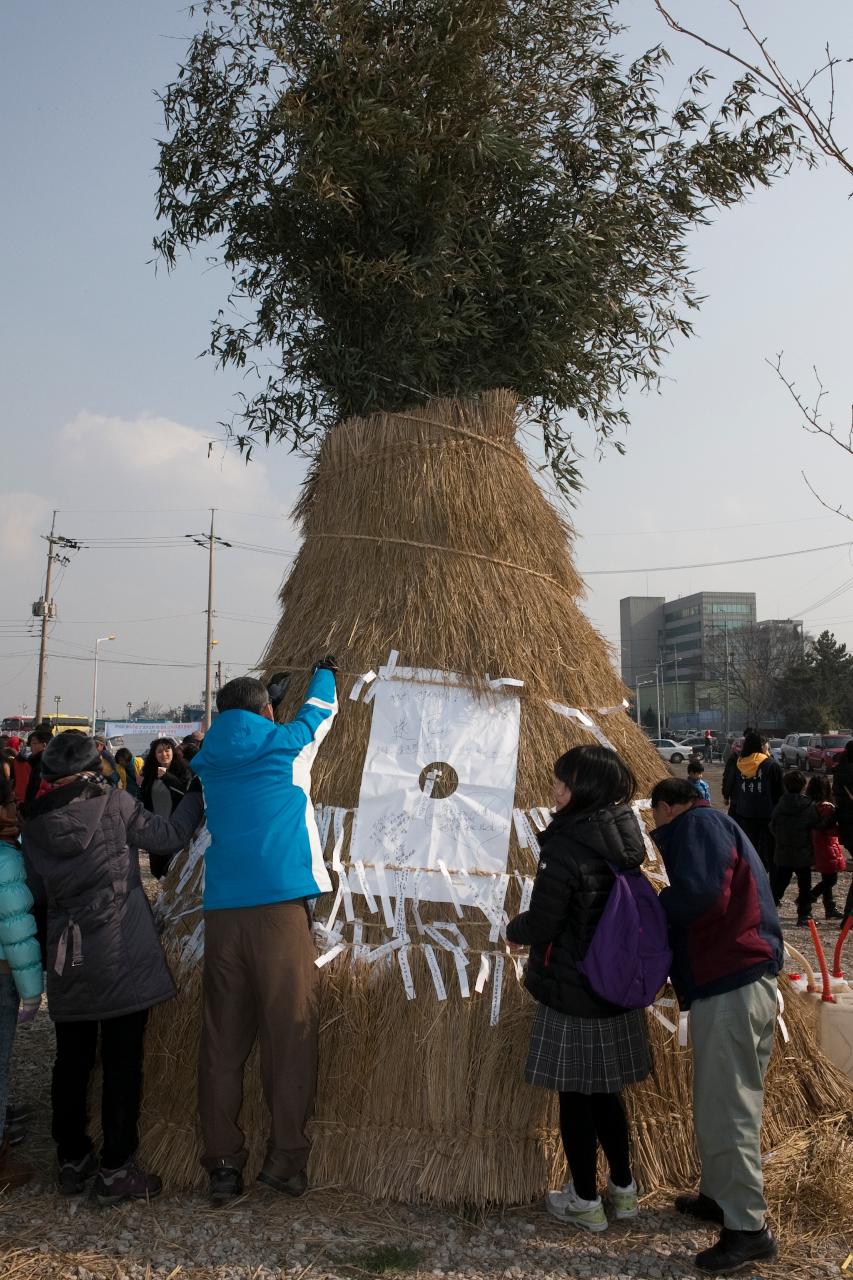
point(732, 1035)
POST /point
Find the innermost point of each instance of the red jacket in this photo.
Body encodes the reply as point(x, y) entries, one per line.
point(828, 854)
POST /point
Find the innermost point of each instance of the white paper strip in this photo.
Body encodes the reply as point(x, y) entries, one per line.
point(416, 901)
point(384, 950)
point(483, 975)
point(338, 822)
point(505, 682)
point(432, 932)
point(401, 879)
point(498, 907)
point(451, 887)
point(670, 1026)
point(325, 959)
point(357, 941)
point(526, 894)
point(384, 897)
point(461, 940)
point(324, 821)
point(462, 974)
point(365, 887)
point(497, 990)
point(336, 906)
point(683, 1027)
point(571, 713)
point(347, 893)
point(536, 818)
point(648, 843)
point(781, 1021)
point(367, 678)
point(406, 971)
point(435, 970)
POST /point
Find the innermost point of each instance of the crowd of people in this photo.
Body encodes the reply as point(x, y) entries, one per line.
point(73, 819)
point(795, 822)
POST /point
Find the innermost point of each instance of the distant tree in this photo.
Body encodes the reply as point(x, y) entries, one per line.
point(439, 197)
point(817, 691)
point(757, 659)
point(650, 718)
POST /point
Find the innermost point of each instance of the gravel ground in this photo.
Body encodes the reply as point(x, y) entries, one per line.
point(331, 1234)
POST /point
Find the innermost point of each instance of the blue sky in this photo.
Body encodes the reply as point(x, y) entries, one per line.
point(107, 407)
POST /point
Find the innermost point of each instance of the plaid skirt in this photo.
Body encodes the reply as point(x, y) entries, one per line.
point(588, 1055)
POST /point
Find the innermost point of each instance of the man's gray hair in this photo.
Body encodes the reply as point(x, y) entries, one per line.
point(243, 694)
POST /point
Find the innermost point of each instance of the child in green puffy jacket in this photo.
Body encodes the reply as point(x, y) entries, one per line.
point(21, 974)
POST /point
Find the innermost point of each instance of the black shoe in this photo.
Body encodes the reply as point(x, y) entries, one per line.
point(803, 922)
point(296, 1185)
point(831, 911)
point(226, 1183)
point(736, 1249)
point(699, 1206)
point(73, 1177)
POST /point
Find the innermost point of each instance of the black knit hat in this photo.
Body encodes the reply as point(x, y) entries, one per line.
point(68, 753)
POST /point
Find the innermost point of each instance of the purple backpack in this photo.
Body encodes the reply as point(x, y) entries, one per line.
point(628, 960)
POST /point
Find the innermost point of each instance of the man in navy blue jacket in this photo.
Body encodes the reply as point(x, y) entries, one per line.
point(727, 950)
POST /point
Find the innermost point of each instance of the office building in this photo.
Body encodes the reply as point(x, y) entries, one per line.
point(685, 636)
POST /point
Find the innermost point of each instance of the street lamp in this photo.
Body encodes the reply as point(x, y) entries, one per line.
point(57, 698)
point(100, 640)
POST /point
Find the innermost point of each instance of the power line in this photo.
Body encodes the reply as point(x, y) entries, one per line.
point(714, 564)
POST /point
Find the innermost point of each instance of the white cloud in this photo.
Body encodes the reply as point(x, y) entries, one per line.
point(145, 475)
point(179, 459)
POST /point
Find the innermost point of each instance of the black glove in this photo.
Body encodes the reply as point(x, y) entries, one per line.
point(277, 687)
point(329, 663)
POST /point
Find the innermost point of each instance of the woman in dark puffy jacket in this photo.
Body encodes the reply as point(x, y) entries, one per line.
point(583, 1046)
point(105, 965)
point(165, 778)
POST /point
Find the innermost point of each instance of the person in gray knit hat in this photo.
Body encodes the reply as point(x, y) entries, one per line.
point(105, 965)
point(69, 754)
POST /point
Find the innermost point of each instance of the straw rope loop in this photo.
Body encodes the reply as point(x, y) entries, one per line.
point(435, 546)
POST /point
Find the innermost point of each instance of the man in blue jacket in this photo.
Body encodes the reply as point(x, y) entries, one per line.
point(263, 867)
point(727, 950)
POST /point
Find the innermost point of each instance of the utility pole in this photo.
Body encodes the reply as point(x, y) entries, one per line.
point(208, 707)
point(726, 693)
point(44, 607)
point(208, 541)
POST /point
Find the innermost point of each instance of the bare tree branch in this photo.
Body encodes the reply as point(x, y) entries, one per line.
point(814, 423)
point(765, 69)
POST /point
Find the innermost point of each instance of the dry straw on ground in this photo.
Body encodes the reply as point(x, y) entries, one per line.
point(425, 533)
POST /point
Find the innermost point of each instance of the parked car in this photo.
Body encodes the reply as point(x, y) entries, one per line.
point(823, 751)
point(775, 745)
point(673, 752)
point(793, 750)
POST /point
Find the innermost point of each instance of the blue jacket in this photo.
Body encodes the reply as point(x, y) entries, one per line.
point(18, 943)
point(256, 776)
point(724, 929)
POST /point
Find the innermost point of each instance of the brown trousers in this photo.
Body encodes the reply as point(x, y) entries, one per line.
point(260, 982)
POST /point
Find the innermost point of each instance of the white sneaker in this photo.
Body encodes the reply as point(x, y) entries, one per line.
point(623, 1200)
point(567, 1206)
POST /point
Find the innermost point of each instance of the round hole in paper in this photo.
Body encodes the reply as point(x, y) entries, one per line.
point(438, 780)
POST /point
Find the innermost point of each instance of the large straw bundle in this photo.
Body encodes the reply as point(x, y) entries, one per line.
point(425, 533)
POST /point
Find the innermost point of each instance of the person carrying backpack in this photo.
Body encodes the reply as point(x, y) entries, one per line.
point(727, 950)
point(582, 1044)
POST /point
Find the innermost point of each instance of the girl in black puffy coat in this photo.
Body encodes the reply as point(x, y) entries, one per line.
point(581, 1045)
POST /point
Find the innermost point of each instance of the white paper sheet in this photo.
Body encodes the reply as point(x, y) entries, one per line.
point(403, 818)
